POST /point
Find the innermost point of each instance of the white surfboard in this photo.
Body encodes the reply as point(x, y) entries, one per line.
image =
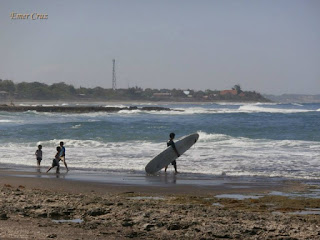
point(169, 155)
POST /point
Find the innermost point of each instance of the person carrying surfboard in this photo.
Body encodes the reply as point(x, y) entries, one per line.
point(171, 143)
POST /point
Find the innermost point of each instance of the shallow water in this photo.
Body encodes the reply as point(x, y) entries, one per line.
point(312, 193)
point(272, 140)
point(238, 196)
point(68, 221)
point(314, 211)
point(147, 198)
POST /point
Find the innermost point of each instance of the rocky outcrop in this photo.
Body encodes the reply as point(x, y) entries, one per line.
point(40, 214)
point(78, 109)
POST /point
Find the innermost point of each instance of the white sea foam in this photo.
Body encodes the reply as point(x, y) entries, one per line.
point(50, 105)
point(297, 104)
point(212, 154)
point(254, 108)
point(180, 110)
point(207, 137)
point(116, 105)
point(6, 121)
point(130, 111)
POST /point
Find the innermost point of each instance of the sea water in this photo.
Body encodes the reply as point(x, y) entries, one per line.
point(236, 139)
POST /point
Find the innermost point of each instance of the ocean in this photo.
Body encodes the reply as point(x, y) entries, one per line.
point(236, 139)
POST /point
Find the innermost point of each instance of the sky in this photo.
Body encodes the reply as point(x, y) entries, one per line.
point(269, 46)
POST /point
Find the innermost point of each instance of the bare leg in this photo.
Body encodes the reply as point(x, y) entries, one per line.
point(175, 168)
point(49, 169)
point(65, 163)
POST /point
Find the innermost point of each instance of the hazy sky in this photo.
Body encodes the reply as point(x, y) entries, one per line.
point(272, 46)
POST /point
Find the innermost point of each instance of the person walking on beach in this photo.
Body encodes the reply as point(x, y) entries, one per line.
point(171, 143)
point(38, 154)
point(55, 161)
point(63, 155)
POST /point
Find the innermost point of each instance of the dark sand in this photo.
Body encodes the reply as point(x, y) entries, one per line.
point(137, 206)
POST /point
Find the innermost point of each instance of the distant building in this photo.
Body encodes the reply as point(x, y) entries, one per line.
point(161, 94)
point(228, 92)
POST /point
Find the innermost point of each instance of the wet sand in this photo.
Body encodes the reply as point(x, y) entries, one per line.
point(71, 206)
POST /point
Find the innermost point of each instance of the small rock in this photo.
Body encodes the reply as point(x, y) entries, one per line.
point(52, 236)
point(132, 235)
point(97, 212)
point(3, 216)
point(68, 212)
point(222, 236)
point(55, 214)
point(41, 213)
point(174, 227)
point(160, 224)
point(127, 223)
point(148, 227)
point(109, 203)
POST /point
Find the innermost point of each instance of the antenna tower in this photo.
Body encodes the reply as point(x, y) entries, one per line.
point(114, 80)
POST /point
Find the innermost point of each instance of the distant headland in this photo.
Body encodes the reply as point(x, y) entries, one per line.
point(35, 91)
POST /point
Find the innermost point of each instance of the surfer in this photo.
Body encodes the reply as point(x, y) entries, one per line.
point(63, 155)
point(171, 143)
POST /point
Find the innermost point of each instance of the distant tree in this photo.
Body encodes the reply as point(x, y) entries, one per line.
point(99, 92)
point(62, 90)
point(148, 93)
point(177, 93)
point(7, 85)
point(237, 87)
point(199, 94)
point(41, 91)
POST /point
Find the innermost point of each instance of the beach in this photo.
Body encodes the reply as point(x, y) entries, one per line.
point(253, 173)
point(169, 120)
point(49, 206)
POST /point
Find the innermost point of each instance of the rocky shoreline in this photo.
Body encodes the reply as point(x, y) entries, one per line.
point(33, 213)
point(77, 109)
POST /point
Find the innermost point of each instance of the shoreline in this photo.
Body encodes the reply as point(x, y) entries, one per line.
point(164, 183)
point(183, 183)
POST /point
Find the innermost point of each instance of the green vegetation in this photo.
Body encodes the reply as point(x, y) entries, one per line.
point(61, 91)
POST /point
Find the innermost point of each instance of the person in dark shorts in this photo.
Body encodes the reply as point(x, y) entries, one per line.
point(63, 155)
point(38, 154)
point(55, 161)
point(171, 143)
